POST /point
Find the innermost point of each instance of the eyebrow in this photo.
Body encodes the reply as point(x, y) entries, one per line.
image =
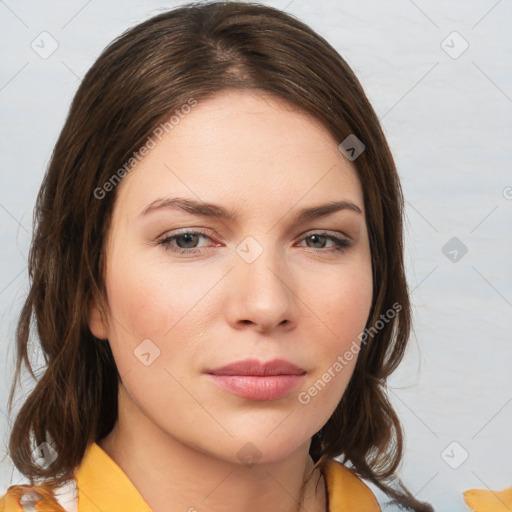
point(217, 211)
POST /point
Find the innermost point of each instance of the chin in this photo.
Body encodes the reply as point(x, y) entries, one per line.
point(264, 449)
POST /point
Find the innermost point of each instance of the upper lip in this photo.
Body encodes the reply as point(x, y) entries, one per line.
point(255, 367)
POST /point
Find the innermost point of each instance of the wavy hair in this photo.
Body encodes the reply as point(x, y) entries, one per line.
point(150, 71)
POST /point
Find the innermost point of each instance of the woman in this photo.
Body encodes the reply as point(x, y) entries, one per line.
point(217, 279)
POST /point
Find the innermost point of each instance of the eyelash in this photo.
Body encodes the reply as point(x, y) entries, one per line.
point(341, 244)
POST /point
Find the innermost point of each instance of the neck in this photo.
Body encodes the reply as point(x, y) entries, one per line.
point(174, 477)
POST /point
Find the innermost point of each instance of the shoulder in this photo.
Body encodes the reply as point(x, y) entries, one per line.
point(346, 491)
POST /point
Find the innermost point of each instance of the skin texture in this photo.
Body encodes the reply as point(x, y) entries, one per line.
point(178, 435)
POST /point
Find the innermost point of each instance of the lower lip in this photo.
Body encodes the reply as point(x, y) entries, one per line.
point(252, 387)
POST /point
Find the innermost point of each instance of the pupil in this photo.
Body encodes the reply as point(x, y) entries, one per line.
point(315, 238)
point(188, 238)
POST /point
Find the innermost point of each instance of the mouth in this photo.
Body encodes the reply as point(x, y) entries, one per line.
point(253, 380)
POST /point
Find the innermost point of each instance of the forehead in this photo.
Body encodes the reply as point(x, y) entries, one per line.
point(248, 148)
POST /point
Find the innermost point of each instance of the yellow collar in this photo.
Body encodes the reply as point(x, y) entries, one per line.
point(346, 491)
point(103, 485)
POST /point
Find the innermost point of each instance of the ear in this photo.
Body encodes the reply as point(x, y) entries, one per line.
point(96, 323)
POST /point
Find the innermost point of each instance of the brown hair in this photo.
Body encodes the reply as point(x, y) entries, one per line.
point(195, 51)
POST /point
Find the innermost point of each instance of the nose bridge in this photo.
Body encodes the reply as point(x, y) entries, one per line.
point(264, 288)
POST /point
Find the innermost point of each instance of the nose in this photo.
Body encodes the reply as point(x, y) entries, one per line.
point(262, 294)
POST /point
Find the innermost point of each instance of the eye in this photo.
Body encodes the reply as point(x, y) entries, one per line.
point(184, 242)
point(320, 238)
point(187, 242)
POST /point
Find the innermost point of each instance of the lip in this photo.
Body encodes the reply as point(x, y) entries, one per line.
point(255, 380)
point(253, 367)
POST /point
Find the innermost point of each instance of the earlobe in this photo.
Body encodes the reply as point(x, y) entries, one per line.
point(96, 323)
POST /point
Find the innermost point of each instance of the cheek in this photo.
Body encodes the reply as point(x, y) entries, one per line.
point(136, 304)
point(350, 308)
point(343, 302)
point(148, 300)
point(142, 308)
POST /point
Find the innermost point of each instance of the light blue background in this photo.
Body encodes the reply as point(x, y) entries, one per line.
point(448, 121)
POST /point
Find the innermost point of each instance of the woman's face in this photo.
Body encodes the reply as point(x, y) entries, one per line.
point(192, 289)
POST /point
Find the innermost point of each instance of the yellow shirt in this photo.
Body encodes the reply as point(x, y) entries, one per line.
point(103, 486)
